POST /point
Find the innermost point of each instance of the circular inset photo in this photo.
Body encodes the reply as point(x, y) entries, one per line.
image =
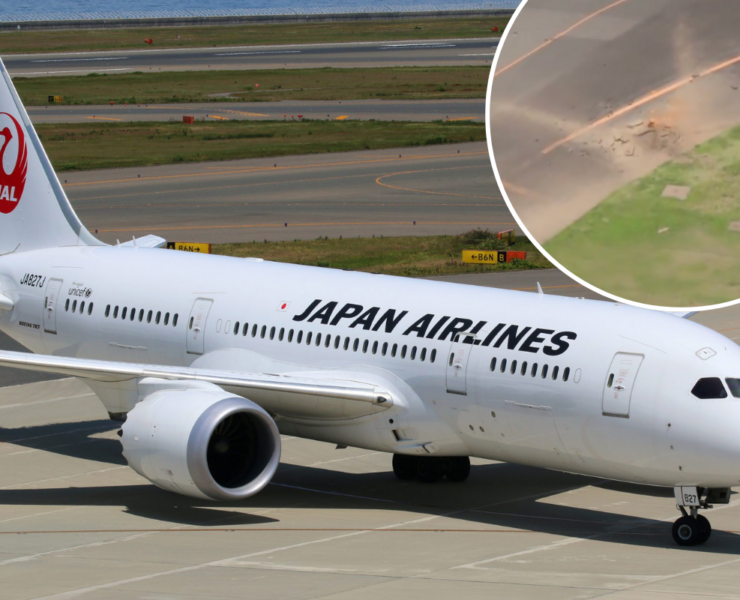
point(614, 129)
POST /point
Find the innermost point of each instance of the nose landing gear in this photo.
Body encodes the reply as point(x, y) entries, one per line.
point(692, 528)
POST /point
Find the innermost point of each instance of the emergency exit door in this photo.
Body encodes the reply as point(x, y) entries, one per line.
point(620, 381)
point(50, 305)
point(457, 367)
point(197, 325)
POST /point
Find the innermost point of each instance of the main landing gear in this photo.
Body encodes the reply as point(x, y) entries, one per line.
point(692, 528)
point(431, 468)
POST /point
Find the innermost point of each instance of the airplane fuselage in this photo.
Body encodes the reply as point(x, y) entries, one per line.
point(501, 375)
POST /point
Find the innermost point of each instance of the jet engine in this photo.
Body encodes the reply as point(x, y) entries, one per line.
point(202, 442)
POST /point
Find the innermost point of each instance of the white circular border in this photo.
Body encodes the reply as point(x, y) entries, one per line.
point(539, 246)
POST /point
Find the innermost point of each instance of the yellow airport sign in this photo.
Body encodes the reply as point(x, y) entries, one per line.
point(480, 256)
point(189, 247)
point(491, 257)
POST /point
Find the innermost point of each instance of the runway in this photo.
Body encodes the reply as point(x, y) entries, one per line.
point(420, 191)
point(76, 522)
point(291, 56)
point(381, 110)
point(590, 96)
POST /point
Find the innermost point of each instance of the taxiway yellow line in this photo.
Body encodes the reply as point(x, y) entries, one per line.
point(104, 118)
point(560, 35)
point(396, 187)
point(654, 95)
point(256, 169)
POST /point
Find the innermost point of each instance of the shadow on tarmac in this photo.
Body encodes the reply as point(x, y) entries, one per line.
point(499, 495)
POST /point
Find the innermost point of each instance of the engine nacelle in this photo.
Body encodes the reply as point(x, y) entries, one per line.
point(202, 442)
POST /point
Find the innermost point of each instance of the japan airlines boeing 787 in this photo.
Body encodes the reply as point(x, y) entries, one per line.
point(208, 359)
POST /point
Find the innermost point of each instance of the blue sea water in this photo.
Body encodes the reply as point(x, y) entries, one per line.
point(34, 10)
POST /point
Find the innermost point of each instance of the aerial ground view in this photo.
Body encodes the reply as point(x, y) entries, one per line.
point(343, 154)
point(626, 170)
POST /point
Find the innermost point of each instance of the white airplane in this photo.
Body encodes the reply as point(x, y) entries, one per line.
point(208, 359)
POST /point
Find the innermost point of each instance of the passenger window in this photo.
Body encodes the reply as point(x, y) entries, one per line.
point(433, 356)
point(493, 364)
point(123, 313)
point(346, 343)
point(555, 373)
point(365, 345)
point(272, 333)
point(299, 337)
point(413, 353)
point(159, 316)
point(245, 329)
point(115, 312)
point(337, 341)
point(66, 307)
point(308, 337)
point(141, 315)
point(263, 331)
point(423, 354)
point(394, 349)
point(89, 308)
point(734, 385)
point(534, 369)
point(356, 345)
point(290, 336)
point(149, 317)
point(74, 306)
point(503, 365)
point(403, 351)
point(281, 335)
point(236, 325)
point(133, 314)
point(610, 381)
point(384, 350)
point(174, 320)
point(254, 330)
point(523, 372)
point(544, 371)
point(708, 388)
point(513, 367)
point(107, 309)
point(375, 347)
point(318, 339)
point(566, 373)
point(82, 307)
point(327, 341)
point(190, 325)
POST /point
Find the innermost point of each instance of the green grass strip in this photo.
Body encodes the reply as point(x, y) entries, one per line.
point(665, 251)
point(83, 146)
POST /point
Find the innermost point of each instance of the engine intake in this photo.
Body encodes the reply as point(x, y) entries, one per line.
point(204, 443)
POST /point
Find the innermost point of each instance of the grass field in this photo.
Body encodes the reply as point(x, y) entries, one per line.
point(408, 83)
point(253, 35)
point(83, 146)
point(664, 251)
point(406, 256)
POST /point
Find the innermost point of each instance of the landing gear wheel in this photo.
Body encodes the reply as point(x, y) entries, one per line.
point(688, 531)
point(405, 467)
point(430, 469)
point(458, 468)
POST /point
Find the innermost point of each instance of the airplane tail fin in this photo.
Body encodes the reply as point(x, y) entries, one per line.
point(34, 210)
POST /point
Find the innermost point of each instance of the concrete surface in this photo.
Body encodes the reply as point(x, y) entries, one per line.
point(76, 522)
point(380, 110)
point(591, 95)
point(292, 56)
point(379, 192)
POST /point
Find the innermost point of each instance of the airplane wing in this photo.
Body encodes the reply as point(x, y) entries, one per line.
point(300, 396)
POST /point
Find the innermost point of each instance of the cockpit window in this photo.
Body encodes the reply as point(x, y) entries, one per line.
point(709, 387)
point(734, 385)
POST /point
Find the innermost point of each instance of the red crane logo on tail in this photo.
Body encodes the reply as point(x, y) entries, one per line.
point(12, 184)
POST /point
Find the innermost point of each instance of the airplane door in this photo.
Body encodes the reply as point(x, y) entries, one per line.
point(457, 366)
point(619, 383)
point(197, 325)
point(50, 305)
